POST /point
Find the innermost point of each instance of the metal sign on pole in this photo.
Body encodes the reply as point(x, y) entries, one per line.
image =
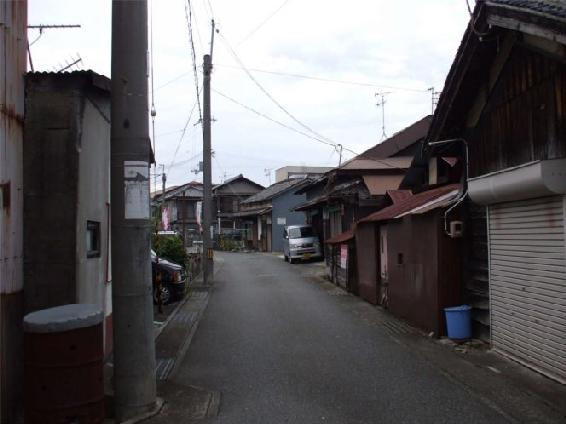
point(134, 346)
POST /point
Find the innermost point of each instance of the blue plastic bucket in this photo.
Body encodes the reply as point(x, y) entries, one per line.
point(459, 322)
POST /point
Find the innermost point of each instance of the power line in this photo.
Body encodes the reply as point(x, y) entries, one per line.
point(188, 17)
point(153, 112)
point(263, 115)
point(307, 77)
point(331, 80)
point(257, 28)
point(171, 81)
point(264, 91)
point(183, 133)
point(208, 9)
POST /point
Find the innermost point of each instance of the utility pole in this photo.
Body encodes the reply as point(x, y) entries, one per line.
point(163, 181)
point(340, 148)
point(208, 256)
point(134, 346)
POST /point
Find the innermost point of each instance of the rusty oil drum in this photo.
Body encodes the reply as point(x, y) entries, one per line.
point(63, 365)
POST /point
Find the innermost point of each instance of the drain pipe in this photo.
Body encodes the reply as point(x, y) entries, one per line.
point(467, 173)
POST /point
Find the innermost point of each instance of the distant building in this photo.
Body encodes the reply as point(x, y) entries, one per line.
point(180, 209)
point(227, 198)
point(287, 172)
point(270, 210)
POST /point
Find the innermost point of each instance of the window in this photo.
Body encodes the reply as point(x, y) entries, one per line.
point(92, 239)
point(300, 232)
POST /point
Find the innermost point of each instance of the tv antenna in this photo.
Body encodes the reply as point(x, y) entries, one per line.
point(69, 64)
point(434, 98)
point(381, 103)
point(267, 173)
point(41, 28)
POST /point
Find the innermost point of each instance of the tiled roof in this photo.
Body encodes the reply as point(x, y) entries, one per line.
point(399, 141)
point(236, 178)
point(552, 8)
point(411, 203)
point(275, 190)
point(362, 164)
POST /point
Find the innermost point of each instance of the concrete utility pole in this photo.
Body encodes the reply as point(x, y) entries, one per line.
point(134, 348)
point(208, 255)
point(208, 262)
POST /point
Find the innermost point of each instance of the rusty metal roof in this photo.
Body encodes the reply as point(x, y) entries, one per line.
point(342, 237)
point(417, 203)
point(399, 195)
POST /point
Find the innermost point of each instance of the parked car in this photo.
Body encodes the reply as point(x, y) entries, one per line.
point(300, 242)
point(173, 279)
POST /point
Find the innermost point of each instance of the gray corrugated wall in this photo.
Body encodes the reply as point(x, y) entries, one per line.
point(282, 208)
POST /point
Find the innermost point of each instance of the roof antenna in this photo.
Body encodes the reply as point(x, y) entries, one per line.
point(381, 103)
point(41, 28)
point(267, 172)
point(435, 96)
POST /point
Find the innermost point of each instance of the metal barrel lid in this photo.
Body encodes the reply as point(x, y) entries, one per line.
point(63, 318)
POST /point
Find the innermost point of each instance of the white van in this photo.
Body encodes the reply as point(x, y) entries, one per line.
point(300, 242)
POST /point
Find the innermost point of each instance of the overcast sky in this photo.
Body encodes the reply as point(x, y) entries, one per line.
point(400, 47)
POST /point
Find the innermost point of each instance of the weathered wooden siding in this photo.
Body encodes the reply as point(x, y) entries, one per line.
point(525, 115)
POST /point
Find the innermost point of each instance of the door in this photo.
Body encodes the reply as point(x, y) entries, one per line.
point(366, 254)
point(527, 276)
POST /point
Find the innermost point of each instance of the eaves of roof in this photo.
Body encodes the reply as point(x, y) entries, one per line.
point(417, 203)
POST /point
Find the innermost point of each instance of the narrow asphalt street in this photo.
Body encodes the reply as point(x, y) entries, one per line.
point(280, 349)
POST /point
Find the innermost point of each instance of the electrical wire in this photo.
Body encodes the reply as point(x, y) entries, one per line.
point(263, 115)
point(189, 160)
point(171, 81)
point(275, 121)
point(474, 20)
point(188, 17)
point(264, 91)
point(208, 8)
point(331, 80)
point(257, 28)
point(153, 112)
point(183, 133)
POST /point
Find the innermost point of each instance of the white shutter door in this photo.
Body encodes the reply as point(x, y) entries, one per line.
point(527, 279)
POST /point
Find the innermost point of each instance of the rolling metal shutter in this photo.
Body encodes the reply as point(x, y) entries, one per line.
point(528, 283)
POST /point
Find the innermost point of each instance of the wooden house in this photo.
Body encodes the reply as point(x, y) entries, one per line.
point(505, 99)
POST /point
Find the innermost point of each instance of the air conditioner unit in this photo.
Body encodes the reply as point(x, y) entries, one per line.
point(456, 229)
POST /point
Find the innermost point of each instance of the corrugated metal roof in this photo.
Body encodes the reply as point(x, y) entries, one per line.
point(342, 237)
point(413, 203)
point(95, 79)
point(399, 195)
point(276, 190)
